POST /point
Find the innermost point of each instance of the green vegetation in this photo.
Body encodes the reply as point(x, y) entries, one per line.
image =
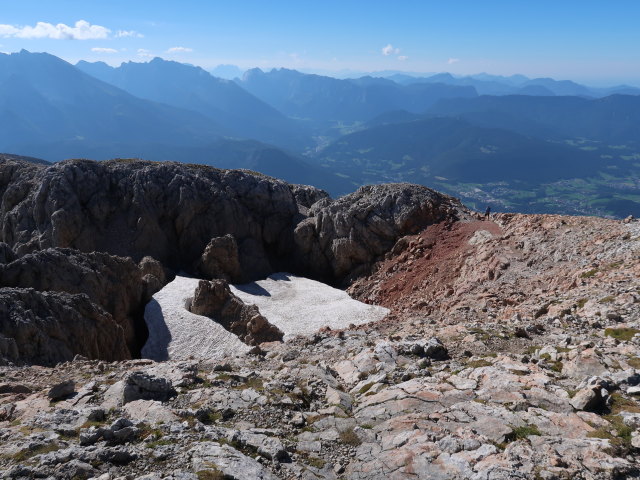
point(634, 362)
point(479, 363)
point(26, 454)
point(316, 462)
point(607, 299)
point(525, 431)
point(618, 434)
point(620, 403)
point(623, 334)
point(349, 437)
point(589, 274)
point(211, 473)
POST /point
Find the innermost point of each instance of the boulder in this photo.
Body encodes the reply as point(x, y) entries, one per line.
point(142, 385)
point(214, 299)
point(220, 260)
point(62, 390)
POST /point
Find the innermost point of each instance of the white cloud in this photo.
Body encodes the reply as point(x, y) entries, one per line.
point(82, 30)
point(402, 58)
point(179, 50)
point(128, 33)
point(144, 53)
point(389, 50)
point(104, 50)
point(451, 61)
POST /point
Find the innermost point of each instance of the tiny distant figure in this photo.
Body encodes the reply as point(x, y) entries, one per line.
point(487, 213)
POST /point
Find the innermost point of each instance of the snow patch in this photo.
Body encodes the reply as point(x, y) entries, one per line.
point(296, 305)
point(175, 333)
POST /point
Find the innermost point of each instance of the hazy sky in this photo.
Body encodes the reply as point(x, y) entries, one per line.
point(597, 42)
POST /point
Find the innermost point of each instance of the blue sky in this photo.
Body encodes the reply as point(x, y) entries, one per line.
point(595, 42)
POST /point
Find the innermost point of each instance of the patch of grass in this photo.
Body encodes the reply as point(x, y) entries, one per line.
point(211, 473)
point(623, 334)
point(582, 302)
point(556, 366)
point(366, 426)
point(634, 362)
point(589, 273)
point(26, 454)
point(349, 437)
point(211, 417)
point(607, 299)
point(316, 462)
point(618, 434)
point(479, 363)
point(253, 382)
point(619, 403)
point(520, 433)
point(365, 388)
point(159, 443)
point(532, 349)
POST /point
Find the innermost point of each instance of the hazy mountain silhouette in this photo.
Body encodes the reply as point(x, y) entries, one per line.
point(517, 85)
point(322, 98)
point(46, 102)
point(193, 88)
point(615, 118)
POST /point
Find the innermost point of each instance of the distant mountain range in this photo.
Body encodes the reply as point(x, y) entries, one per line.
point(327, 99)
point(533, 145)
point(192, 88)
point(48, 107)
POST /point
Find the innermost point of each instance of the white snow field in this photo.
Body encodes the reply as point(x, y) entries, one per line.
point(296, 305)
point(175, 333)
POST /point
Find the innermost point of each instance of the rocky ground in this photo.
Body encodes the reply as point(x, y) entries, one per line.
point(512, 350)
point(525, 384)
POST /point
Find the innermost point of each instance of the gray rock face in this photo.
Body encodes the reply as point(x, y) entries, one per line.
point(220, 260)
point(51, 327)
point(171, 211)
point(344, 237)
point(215, 300)
point(116, 284)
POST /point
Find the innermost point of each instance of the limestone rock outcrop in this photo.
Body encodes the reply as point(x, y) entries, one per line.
point(50, 327)
point(214, 300)
point(116, 284)
point(344, 237)
point(171, 211)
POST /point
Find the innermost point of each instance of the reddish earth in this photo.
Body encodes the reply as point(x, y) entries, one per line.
point(526, 265)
